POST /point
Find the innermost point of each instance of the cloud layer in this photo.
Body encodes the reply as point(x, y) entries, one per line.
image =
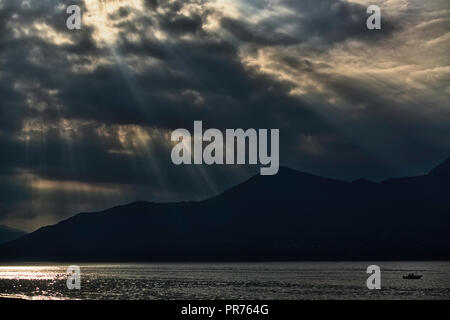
point(86, 115)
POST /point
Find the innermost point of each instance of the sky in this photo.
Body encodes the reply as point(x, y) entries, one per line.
point(86, 115)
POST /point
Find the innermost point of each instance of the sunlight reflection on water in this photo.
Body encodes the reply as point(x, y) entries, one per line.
point(32, 272)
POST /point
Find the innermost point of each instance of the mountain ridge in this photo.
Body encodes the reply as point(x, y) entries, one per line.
point(289, 216)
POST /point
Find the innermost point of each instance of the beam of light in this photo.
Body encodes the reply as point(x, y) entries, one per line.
point(98, 12)
point(108, 38)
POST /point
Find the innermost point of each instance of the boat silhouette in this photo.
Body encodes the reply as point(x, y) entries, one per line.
point(412, 276)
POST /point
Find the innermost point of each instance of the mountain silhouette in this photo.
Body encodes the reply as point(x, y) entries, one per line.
point(8, 234)
point(288, 216)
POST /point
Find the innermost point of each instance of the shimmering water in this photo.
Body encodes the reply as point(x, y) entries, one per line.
point(292, 280)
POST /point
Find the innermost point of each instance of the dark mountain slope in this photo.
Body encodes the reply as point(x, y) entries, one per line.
point(8, 234)
point(289, 216)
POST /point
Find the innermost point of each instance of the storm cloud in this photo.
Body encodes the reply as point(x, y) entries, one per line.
point(86, 115)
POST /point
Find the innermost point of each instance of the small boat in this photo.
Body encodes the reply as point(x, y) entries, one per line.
point(412, 276)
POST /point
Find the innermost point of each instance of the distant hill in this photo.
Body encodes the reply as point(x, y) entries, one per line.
point(289, 216)
point(8, 234)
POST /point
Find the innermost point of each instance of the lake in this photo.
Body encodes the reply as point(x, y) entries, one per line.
point(280, 280)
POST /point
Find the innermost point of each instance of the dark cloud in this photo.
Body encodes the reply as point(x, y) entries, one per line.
point(86, 118)
point(323, 22)
point(335, 20)
point(259, 34)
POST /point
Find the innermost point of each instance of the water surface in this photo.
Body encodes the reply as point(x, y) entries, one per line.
point(286, 280)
